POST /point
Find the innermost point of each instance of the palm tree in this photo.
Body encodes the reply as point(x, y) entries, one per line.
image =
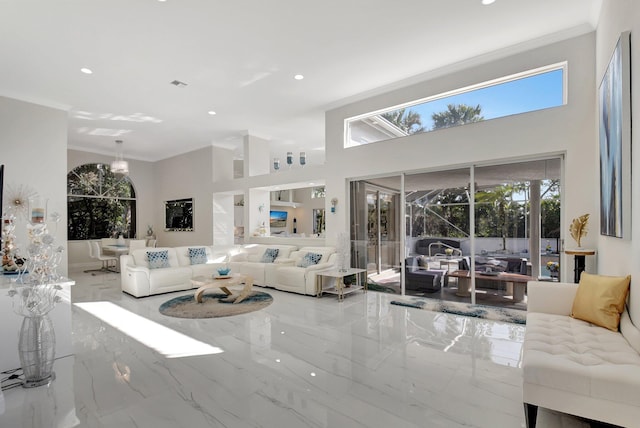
point(455, 115)
point(500, 199)
point(407, 120)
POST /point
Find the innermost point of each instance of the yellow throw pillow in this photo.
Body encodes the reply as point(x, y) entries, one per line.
point(600, 299)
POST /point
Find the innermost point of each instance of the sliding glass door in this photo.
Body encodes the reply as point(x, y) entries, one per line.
point(375, 211)
point(474, 234)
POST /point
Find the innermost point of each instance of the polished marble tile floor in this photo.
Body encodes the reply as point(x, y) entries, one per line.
point(301, 362)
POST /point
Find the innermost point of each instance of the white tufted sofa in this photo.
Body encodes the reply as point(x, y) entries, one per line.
point(575, 367)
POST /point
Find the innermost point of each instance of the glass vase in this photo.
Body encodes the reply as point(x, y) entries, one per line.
point(36, 350)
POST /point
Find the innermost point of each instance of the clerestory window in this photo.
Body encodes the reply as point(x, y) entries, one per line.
point(100, 203)
point(519, 93)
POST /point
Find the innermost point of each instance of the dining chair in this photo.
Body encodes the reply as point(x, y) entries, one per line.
point(93, 256)
point(106, 265)
point(151, 243)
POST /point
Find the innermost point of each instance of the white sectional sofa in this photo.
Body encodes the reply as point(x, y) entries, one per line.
point(576, 367)
point(248, 261)
point(139, 279)
point(291, 277)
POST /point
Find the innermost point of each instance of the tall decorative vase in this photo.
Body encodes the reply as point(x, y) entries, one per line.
point(37, 349)
point(343, 250)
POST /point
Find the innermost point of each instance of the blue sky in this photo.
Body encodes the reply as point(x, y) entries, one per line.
point(527, 94)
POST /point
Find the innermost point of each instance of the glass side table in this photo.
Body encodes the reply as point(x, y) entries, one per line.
point(339, 288)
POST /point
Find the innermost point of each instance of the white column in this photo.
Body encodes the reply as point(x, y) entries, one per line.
point(222, 164)
point(222, 210)
point(256, 156)
point(534, 226)
point(256, 211)
point(223, 216)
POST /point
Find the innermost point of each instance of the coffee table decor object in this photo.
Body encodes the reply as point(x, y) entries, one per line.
point(223, 272)
point(205, 283)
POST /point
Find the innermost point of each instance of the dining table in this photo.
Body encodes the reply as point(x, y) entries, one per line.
point(117, 251)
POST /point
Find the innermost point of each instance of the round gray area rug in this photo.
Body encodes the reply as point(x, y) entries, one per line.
point(214, 305)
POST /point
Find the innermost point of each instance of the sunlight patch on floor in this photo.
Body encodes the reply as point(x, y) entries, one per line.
point(166, 341)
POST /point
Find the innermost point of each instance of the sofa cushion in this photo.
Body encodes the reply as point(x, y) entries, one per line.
point(198, 256)
point(309, 259)
point(571, 355)
point(270, 254)
point(600, 299)
point(158, 259)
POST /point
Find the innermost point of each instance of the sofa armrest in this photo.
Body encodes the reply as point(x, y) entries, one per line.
point(551, 297)
point(140, 269)
point(285, 262)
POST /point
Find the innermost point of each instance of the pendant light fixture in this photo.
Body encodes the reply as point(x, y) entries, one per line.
point(119, 165)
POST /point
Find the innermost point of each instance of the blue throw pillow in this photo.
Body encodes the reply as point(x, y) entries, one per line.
point(198, 256)
point(158, 259)
point(309, 259)
point(269, 255)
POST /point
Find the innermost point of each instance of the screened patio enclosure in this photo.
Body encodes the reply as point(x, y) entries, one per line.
point(492, 222)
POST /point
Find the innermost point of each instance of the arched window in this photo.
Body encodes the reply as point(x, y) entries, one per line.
point(100, 203)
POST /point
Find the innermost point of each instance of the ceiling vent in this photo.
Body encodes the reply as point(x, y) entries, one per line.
point(178, 83)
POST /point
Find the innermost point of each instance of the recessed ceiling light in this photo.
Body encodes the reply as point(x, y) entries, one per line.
point(211, 112)
point(298, 77)
point(86, 70)
point(486, 2)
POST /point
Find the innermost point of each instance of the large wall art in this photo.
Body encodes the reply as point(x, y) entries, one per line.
point(615, 143)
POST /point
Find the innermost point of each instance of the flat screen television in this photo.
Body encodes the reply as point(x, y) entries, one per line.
point(277, 218)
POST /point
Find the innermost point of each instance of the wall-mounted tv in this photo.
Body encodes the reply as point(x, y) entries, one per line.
point(277, 218)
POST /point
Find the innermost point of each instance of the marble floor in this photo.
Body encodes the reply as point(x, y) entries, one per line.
point(301, 362)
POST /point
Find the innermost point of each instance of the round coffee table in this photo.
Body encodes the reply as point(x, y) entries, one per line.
point(206, 283)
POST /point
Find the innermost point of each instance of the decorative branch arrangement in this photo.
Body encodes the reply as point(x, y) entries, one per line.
point(578, 228)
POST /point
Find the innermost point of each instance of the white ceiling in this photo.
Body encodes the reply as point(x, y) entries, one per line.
point(239, 57)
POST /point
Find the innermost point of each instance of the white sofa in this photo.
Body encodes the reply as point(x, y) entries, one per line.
point(290, 277)
point(248, 261)
point(139, 280)
point(575, 367)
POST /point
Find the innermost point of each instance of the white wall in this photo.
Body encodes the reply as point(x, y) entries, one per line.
point(566, 130)
point(186, 176)
point(620, 256)
point(33, 147)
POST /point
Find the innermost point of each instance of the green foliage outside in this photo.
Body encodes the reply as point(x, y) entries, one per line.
point(497, 214)
point(410, 121)
point(100, 204)
point(407, 120)
point(456, 115)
